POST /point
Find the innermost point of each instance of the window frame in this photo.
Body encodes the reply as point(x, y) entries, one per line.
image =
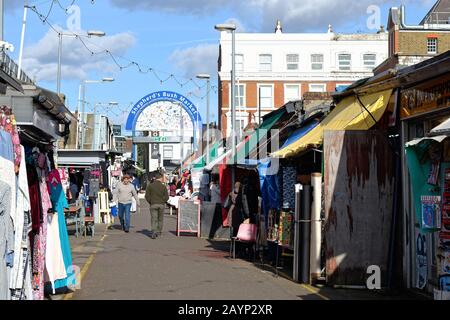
point(298, 85)
point(322, 63)
point(164, 151)
point(339, 61)
point(240, 55)
point(435, 39)
point(297, 63)
point(323, 85)
point(244, 97)
point(260, 63)
point(259, 85)
point(365, 66)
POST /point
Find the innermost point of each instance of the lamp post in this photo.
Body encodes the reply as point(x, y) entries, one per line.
point(82, 100)
point(232, 28)
point(60, 38)
point(206, 77)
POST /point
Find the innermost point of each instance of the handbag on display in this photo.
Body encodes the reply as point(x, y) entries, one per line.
point(247, 232)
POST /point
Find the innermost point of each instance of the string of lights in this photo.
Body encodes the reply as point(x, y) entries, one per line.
point(161, 76)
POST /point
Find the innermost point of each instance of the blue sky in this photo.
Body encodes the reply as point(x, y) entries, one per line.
point(173, 36)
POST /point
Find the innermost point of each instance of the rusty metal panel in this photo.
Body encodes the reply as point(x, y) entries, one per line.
point(359, 184)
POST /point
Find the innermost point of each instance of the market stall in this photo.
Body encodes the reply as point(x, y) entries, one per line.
point(38, 259)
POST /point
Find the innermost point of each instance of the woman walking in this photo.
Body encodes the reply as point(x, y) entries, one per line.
point(124, 193)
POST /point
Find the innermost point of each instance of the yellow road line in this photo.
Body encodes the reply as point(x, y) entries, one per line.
point(86, 266)
point(307, 287)
point(314, 291)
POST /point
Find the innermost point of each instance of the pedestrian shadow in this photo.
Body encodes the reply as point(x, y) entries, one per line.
point(115, 227)
point(145, 232)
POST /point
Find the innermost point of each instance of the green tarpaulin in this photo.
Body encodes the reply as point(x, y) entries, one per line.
point(256, 137)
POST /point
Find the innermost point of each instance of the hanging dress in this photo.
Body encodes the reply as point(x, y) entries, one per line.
point(21, 274)
point(6, 240)
point(59, 202)
point(54, 261)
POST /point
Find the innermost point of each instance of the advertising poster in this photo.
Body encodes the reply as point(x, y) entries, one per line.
point(421, 261)
point(431, 212)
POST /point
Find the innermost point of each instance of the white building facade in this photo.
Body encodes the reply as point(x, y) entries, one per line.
point(275, 68)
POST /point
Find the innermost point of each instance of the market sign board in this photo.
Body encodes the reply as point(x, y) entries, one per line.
point(188, 217)
point(149, 139)
point(165, 111)
point(425, 98)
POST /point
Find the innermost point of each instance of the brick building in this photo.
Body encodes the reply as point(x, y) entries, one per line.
point(412, 44)
point(275, 68)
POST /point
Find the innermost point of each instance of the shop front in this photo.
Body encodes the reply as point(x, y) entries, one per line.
point(425, 110)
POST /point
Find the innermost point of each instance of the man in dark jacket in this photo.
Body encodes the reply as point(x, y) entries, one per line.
point(157, 196)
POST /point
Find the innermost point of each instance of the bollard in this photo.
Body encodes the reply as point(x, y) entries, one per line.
point(295, 276)
point(305, 234)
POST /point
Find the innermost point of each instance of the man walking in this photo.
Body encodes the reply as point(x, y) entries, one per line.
point(123, 195)
point(157, 196)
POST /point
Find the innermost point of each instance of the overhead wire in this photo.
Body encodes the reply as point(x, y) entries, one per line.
point(158, 74)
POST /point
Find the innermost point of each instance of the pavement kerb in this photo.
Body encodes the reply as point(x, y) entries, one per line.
point(88, 263)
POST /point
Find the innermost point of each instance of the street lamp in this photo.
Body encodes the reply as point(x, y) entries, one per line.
point(82, 99)
point(60, 36)
point(229, 27)
point(207, 77)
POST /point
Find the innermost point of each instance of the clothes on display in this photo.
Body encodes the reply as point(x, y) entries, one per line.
point(34, 245)
point(59, 202)
point(289, 181)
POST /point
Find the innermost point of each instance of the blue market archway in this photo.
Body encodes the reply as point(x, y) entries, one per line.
point(169, 96)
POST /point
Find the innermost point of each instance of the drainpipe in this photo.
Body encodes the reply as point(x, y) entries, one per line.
point(305, 234)
point(403, 24)
point(316, 226)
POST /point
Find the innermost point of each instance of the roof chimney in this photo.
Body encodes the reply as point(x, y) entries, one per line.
point(381, 29)
point(278, 28)
point(330, 28)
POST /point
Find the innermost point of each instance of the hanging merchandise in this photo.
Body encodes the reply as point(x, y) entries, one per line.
point(286, 228)
point(9, 166)
point(20, 283)
point(434, 154)
point(54, 261)
point(289, 181)
point(431, 212)
point(6, 240)
point(8, 124)
point(38, 218)
point(59, 202)
point(443, 252)
point(421, 261)
point(421, 172)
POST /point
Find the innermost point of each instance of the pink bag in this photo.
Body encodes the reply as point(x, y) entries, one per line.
point(247, 232)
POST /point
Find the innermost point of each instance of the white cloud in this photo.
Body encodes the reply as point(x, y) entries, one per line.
point(12, 5)
point(40, 59)
point(195, 60)
point(239, 25)
point(196, 7)
point(295, 15)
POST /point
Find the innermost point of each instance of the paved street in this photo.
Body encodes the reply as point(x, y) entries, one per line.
point(133, 266)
